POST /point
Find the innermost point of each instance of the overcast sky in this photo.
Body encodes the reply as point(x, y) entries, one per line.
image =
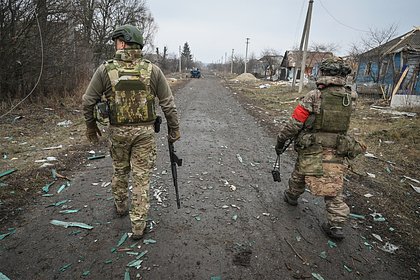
point(213, 28)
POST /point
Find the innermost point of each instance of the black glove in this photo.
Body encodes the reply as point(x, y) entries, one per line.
point(279, 147)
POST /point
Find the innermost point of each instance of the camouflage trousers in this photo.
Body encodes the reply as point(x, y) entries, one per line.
point(337, 209)
point(133, 149)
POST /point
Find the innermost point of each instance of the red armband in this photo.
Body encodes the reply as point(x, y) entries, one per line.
point(300, 114)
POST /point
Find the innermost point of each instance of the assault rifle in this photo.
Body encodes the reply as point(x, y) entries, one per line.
point(174, 162)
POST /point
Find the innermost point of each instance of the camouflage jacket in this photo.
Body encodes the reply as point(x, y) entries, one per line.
point(312, 103)
point(100, 84)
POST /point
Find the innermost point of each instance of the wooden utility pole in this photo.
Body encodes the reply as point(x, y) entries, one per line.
point(246, 52)
point(305, 49)
point(304, 41)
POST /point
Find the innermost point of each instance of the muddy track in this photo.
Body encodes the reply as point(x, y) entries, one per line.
point(233, 222)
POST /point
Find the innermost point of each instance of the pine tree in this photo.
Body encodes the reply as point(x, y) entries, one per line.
point(186, 56)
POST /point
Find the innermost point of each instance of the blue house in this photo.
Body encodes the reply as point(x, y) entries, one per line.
point(392, 69)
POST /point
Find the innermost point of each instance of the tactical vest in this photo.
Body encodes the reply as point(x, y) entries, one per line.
point(335, 111)
point(131, 101)
point(329, 131)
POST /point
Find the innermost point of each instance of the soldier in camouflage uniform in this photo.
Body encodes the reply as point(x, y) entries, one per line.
point(319, 127)
point(130, 84)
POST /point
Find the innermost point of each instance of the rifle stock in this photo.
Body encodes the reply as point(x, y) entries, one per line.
point(174, 162)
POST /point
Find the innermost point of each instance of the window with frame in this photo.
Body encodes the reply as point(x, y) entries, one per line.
point(368, 69)
point(384, 68)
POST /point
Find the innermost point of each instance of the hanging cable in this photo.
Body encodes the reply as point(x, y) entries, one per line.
point(40, 72)
point(343, 24)
point(299, 20)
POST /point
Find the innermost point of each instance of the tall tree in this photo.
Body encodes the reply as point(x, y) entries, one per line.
point(186, 56)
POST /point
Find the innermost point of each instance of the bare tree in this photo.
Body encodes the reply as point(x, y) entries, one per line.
point(75, 37)
point(369, 47)
point(271, 59)
point(323, 47)
point(377, 37)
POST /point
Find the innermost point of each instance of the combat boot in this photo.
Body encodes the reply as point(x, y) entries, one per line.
point(138, 232)
point(121, 208)
point(333, 232)
point(289, 199)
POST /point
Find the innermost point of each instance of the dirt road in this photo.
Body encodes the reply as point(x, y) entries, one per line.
point(233, 223)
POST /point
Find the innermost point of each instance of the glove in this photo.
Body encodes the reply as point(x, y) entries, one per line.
point(279, 147)
point(92, 132)
point(173, 135)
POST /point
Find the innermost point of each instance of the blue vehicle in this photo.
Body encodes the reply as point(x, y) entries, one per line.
point(195, 73)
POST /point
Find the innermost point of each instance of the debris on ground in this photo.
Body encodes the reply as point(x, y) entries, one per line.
point(135, 263)
point(53, 147)
point(65, 267)
point(317, 276)
point(239, 158)
point(347, 268)
point(59, 203)
point(70, 224)
point(127, 274)
point(66, 123)
point(96, 157)
point(332, 244)
point(7, 172)
point(46, 188)
point(69, 211)
point(3, 277)
point(4, 235)
point(390, 248)
point(377, 217)
point(388, 110)
point(323, 255)
point(122, 239)
point(356, 216)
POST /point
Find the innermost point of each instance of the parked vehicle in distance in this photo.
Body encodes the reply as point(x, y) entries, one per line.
point(195, 73)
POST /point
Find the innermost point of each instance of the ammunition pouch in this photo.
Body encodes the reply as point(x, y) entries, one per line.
point(348, 147)
point(304, 140)
point(326, 139)
point(310, 160)
point(101, 112)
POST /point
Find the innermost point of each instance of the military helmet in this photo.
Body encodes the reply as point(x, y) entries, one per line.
point(334, 66)
point(129, 34)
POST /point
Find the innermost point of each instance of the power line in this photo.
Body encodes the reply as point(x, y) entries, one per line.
point(299, 20)
point(40, 72)
point(343, 24)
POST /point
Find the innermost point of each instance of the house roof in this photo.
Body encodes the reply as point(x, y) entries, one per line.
point(407, 41)
point(293, 58)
